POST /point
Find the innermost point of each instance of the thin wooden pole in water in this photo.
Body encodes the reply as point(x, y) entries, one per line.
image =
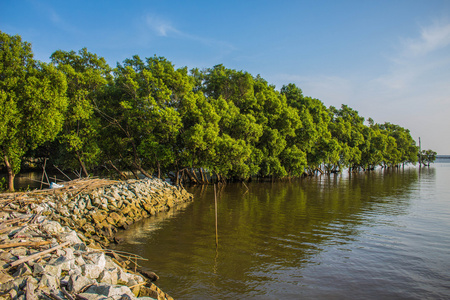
point(62, 172)
point(43, 172)
point(215, 205)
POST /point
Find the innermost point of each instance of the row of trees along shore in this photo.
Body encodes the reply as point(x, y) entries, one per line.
point(147, 116)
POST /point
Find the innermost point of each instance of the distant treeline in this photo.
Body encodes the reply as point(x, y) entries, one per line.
point(147, 116)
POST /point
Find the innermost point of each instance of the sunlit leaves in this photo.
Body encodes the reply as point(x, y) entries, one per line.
point(87, 74)
point(33, 101)
point(147, 115)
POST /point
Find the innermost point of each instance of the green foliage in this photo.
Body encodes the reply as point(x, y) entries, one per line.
point(148, 116)
point(141, 113)
point(347, 128)
point(3, 184)
point(87, 75)
point(33, 101)
point(401, 146)
point(426, 157)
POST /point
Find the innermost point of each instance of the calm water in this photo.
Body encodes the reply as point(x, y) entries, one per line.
point(380, 235)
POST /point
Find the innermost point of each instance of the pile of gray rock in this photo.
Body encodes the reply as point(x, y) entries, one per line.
point(52, 244)
point(39, 258)
point(99, 212)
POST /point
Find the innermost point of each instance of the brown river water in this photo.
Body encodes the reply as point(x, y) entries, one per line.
point(378, 235)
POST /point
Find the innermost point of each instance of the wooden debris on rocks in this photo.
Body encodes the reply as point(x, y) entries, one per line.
point(68, 269)
point(52, 241)
point(98, 208)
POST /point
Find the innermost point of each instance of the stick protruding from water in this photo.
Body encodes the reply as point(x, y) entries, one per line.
point(215, 205)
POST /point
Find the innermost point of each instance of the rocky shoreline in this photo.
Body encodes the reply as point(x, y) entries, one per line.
point(52, 243)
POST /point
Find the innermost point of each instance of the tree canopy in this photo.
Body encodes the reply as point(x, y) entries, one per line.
point(32, 102)
point(147, 116)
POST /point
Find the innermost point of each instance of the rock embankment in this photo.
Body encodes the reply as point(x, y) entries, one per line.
point(40, 259)
point(98, 208)
point(51, 241)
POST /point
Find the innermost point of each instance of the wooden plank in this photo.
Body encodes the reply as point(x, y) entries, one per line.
point(25, 244)
point(34, 256)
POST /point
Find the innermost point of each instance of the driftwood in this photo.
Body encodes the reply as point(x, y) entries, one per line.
point(12, 221)
point(33, 220)
point(4, 225)
point(148, 274)
point(68, 296)
point(62, 172)
point(26, 226)
point(139, 284)
point(25, 244)
point(52, 296)
point(75, 186)
point(116, 254)
point(3, 230)
point(83, 289)
point(79, 297)
point(37, 255)
point(43, 172)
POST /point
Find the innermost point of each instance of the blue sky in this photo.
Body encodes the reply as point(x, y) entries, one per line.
point(389, 60)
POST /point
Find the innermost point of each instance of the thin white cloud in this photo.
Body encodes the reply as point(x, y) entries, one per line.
point(54, 17)
point(160, 26)
point(419, 60)
point(164, 28)
point(431, 38)
point(413, 91)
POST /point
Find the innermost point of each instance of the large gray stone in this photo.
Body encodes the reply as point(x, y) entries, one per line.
point(7, 286)
point(97, 258)
point(52, 227)
point(71, 237)
point(19, 251)
point(23, 270)
point(77, 282)
point(64, 263)
point(115, 291)
point(39, 269)
point(31, 287)
point(82, 204)
point(49, 282)
point(4, 277)
point(79, 261)
point(91, 271)
point(4, 238)
point(109, 276)
point(123, 277)
point(69, 253)
point(96, 265)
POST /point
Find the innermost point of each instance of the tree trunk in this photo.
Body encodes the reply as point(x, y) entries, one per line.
point(159, 169)
point(11, 174)
point(123, 176)
point(191, 178)
point(180, 177)
point(204, 178)
point(83, 166)
point(195, 176)
point(142, 170)
point(183, 176)
point(218, 178)
point(136, 176)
